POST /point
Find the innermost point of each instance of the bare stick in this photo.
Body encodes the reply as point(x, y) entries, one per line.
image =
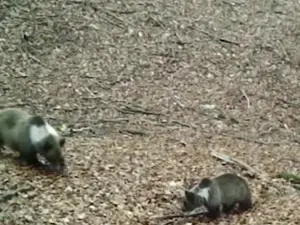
point(78, 130)
point(112, 22)
point(13, 105)
point(258, 174)
point(246, 97)
point(38, 61)
point(182, 124)
point(121, 11)
point(134, 132)
point(251, 140)
point(182, 215)
point(117, 120)
point(214, 37)
point(134, 109)
point(289, 103)
point(231, 160)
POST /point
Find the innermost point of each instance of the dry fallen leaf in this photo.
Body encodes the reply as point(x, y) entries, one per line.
point(81, 216)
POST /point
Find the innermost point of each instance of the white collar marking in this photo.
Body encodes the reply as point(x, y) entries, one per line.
point(37, 133)
point(204, 193)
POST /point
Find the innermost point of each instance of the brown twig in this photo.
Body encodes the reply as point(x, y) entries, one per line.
point(117, 120)
point(180, 215)
point(98, 98)
point(134, 132)
point(137, 109)
point(111, 13)
point(231, 160)
point(112, 22)
point(246, 97)
point(254, 173)
point(289, 103)
point(121, 11)
point(214, 37)
point(251, 140)
point(13, 105)
point(82, 129)
point(37, 60)
point(181, 123)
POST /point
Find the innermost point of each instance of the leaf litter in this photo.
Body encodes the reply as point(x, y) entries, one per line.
point(144, 92)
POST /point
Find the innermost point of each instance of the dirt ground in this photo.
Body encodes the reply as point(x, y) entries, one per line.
point(151, 91)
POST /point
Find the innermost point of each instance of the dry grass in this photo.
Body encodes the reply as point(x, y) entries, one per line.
point(139, 77)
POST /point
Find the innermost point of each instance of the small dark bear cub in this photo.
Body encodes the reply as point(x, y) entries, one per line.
point(31, 135)
point(219, 194)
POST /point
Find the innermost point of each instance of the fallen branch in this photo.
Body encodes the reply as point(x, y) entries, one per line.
point(117, 120)
point(38, 61)
point(137, 109)
point(29, 55)
point(82, 129)
point(111, 13)
point(134, 132)
point(182, 124)
point(92, 130)
point(246, 97)
point(290, 103)
point(111, 22)
point(96, 97)
point(180, 215)
point(176, 122)
point(253, 140)
point(21, 104)
point(121, 11)
point(72, 131)
point(231, 160)
point(214, 37)
point(252, 172)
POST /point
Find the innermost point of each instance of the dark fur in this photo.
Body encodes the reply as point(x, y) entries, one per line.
point(14, 133)
point(225, 191)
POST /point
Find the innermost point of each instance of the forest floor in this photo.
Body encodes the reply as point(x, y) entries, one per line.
point(151, 91)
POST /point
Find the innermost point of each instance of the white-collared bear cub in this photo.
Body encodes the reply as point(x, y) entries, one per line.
point(31, 135)
point(219, 194)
